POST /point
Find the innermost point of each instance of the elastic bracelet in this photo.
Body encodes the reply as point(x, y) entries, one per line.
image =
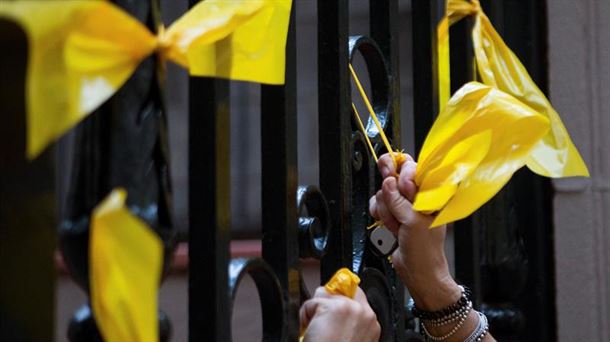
point(481, 330)
point(462, 312)
point(446, 313)
point(462, 319)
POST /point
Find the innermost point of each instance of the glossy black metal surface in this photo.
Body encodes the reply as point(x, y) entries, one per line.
point(334, 114)
point(270, 293)
point(279, 185)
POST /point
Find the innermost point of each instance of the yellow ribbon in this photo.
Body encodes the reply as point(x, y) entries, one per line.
point(475, 145)
point(554, 155)
point(82, 51)
point(344, 282)
point(125, 269)
point(478, 141)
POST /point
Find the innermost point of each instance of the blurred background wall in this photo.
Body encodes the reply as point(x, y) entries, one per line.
point(579, 75)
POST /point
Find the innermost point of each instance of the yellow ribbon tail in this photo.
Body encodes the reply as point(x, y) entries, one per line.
point(125, 263)
point(476, 144)
point(555, 155)
point(239, 40)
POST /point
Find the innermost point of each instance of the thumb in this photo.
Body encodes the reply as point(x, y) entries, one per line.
point(398, 205)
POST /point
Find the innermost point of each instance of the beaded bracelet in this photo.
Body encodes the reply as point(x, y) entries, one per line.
point(481, 330)
point(447, 312)
point(462, 312)
point(462, 319)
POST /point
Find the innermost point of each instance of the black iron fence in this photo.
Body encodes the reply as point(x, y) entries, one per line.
point(503, 252)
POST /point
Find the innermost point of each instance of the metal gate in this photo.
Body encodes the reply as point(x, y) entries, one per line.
point(503, 252)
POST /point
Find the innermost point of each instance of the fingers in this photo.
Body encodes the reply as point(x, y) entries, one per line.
point(400, 208)
point(373, 207)
point(387, 167)
point(368, 314)
point(406, 180)
point(384, 213)
point(396, 204)
point(307, 311)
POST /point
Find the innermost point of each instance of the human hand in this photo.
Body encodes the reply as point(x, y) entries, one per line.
point(420, 257)
point(338, 318)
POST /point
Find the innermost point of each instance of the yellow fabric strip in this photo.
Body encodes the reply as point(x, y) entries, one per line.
point(82, 51)
point(125, 263)
point(363, 130)
point(555, 155)
point(475, 145)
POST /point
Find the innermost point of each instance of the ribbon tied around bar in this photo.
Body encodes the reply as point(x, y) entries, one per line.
point(82, 51)
point(486, 131)
point(554, 155)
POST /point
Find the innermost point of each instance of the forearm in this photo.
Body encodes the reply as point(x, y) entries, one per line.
point(433, 289)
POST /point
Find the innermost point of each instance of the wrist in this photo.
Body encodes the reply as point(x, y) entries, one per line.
point(436, 294)
point(432, 288)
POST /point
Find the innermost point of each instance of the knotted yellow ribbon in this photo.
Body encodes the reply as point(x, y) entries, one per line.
point(82, 51)
point(553, 156)
point(125, 269)
point(344, 282)
point(475, 145)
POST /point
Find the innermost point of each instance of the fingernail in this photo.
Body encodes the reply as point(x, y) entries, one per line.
point(385, 171)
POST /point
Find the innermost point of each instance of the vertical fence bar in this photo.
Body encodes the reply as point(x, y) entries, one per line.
point(467, 231)
point(27, 209)
point(209, 214)
point(279, 184)
point(385, 31)
point(384, 28)
point(335, 130)
point(209, 208)
point(426, 15)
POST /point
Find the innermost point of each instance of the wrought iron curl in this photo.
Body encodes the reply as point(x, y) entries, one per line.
point(269, 292)
point(314, 222)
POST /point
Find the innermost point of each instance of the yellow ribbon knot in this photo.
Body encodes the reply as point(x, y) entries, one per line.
point(83, 51)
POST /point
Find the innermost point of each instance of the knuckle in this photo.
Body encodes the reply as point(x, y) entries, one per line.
point(320, 291)
point(343, 307)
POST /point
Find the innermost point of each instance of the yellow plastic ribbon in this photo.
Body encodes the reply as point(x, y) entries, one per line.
point(555, 155)
point(344, 282)
point(82, 51)
point(125, 268)
point(475, 145)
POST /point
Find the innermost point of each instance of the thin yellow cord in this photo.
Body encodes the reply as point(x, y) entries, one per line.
point(376, 224)
point(373, 115)
point(366, 136)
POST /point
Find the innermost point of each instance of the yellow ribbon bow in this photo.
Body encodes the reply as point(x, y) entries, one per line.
point(125, 263)
point(554, 155)
point(82, 51)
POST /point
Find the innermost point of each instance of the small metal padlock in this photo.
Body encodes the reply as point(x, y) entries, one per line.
point(383, 240)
